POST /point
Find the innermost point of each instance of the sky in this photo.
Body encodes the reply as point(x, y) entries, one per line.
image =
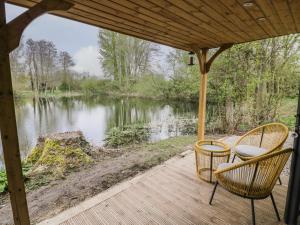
point(79, 39)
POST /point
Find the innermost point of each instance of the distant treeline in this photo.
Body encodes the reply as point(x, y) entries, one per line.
point(249, 81)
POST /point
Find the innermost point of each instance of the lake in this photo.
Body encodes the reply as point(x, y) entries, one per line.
point(94, 116)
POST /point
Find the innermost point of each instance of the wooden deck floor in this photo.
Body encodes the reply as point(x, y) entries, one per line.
point(170, 194)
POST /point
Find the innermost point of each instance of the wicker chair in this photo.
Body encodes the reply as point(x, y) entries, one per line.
point(261, 140)
point(252, 179)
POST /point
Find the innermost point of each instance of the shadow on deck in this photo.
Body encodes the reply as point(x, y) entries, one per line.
point(170, 194)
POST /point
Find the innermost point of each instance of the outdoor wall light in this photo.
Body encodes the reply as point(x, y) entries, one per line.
point(261, 19)
point(191, 58)
point(248, 4)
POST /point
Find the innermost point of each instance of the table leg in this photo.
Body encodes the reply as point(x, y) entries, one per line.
point(211, 166)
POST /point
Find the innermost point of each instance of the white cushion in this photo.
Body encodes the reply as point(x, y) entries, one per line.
point(249, 150)
point(213, 148)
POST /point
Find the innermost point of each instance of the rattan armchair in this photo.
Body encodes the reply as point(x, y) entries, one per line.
point(261, 140)
point(252, 179)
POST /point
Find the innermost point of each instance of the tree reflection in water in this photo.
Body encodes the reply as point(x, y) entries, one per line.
point(94, 116)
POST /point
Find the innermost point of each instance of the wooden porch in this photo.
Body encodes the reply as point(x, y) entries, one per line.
point(170, 194)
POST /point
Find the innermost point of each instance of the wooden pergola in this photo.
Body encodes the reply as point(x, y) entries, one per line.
point(191, 25)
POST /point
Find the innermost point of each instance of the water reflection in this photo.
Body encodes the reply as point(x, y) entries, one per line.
point(94, 116)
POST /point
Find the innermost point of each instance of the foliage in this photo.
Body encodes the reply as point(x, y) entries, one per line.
point(149, 86)
point(3, 181)
point(92, 85)
point(3, 177)
point(189, 127)
point(124, 58)
point(129, 134)
point(247, 82)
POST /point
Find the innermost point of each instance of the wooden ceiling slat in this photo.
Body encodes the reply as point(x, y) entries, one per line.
point(180, 16)
point(221, 17)
point(210, 21)
point(172, 20)
point(109, 25)
point(260, 18)
point(284, 13)
point(271, 15)
point(132, 17)
point(243, 22)
point(129, 7)
point(93, 14)
point(186, 24)
point(130, 26)
point(175, 19)
point(123, 27)
point(124, 30)
point(294, 7)
point(240, 11)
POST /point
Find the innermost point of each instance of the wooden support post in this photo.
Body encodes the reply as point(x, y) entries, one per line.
point(9, 135)
point(205, 65)
point(10, 35)
point(202, 57)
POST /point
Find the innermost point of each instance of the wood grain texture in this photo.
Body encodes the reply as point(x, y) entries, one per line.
point(170, 194)
point(9, 135)
point(184, 24)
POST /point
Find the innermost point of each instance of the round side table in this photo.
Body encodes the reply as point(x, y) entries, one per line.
point(209, 154)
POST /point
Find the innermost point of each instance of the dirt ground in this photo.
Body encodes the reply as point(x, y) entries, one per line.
point(111, 166)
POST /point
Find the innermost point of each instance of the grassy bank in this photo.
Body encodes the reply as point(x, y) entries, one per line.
point(56, 94)
point(287, 112)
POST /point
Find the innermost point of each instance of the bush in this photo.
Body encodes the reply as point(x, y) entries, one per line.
point(150, 86)
point(3, 181)
point(94, 85)
point(189, 127)
point(3, 178)
point(131, 134)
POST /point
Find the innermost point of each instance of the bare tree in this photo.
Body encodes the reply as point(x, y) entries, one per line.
point(41, 57)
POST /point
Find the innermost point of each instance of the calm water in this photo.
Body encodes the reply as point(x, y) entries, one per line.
point(95, 116)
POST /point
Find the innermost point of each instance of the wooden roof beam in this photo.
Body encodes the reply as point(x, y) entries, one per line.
point(10, 34)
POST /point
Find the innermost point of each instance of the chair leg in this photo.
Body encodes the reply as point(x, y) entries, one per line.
point(213, 193)
point(280, 182)
point(253, 212)
point(233, 158)
point(275, 207)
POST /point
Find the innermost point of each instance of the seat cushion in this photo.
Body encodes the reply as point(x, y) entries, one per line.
point(212, 148)
point(249, 150)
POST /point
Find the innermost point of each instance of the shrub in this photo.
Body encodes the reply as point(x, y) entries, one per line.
point(189, 127)
point(3, 181)
point(130, 134)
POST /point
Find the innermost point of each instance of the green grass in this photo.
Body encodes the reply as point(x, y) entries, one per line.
point(287, 112)
point(158, 152)
point(288, 107)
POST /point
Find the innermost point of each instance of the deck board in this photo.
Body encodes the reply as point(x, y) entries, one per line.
point(170, 194)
